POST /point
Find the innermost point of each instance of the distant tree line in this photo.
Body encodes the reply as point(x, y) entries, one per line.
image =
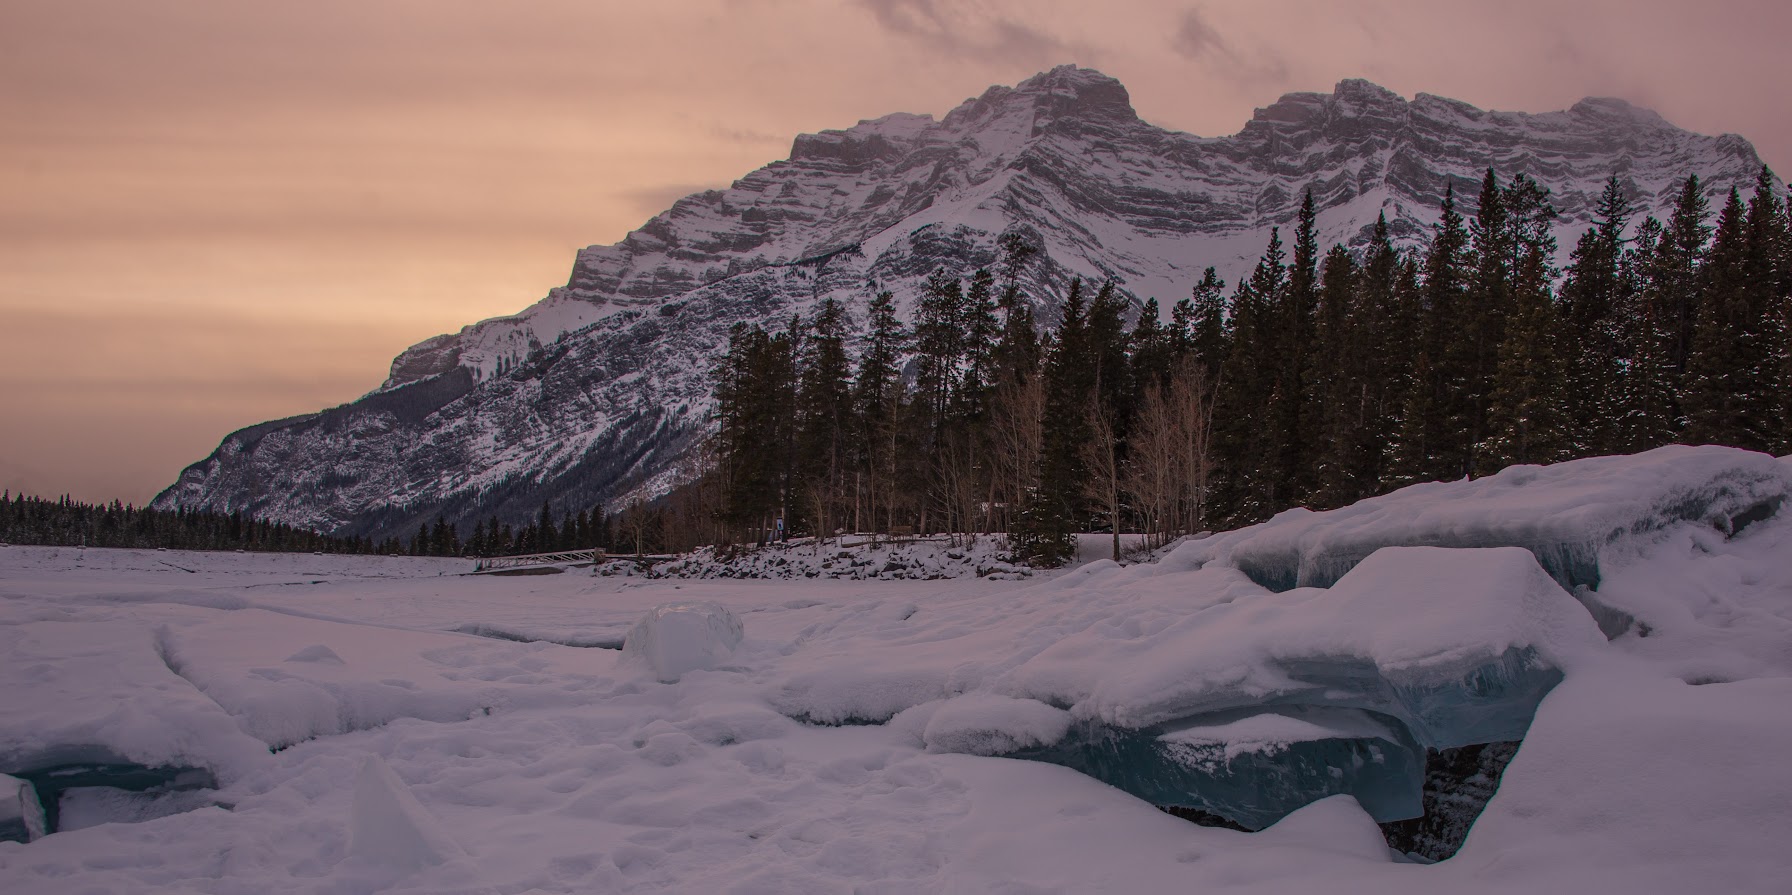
point(64, 522)
point(1322, 378)
point(39, 521)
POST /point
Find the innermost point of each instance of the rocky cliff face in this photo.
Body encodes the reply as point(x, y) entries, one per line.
point(599, 389)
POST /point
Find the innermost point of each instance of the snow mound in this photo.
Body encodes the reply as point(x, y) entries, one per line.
point(675, 639)
point(987, 724)
point(1333, 824)
point(391, 827)
point(1671, 787)
point(1567, 514)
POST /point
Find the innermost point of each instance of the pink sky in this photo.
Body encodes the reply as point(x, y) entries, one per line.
point(218, 213)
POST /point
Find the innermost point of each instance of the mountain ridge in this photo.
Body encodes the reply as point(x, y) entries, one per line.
point(596, 391)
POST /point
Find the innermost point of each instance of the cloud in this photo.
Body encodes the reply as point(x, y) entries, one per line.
point(952, 30)
point(747, 136)
point(1197, 40)
point(652, 199)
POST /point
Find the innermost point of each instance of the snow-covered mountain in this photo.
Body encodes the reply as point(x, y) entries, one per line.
point(598, 390)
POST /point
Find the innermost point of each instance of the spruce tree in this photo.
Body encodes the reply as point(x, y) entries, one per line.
point(1645, 410)
point(878, 402)
point(1206, 324)
point(1044, 530)
point(1341, 400)
point(1723, 398)
point(1431, 441)
point(1243, 458)
point(1294, 411)
point(1529, 417)
point(825, 414)
point(1595, 292)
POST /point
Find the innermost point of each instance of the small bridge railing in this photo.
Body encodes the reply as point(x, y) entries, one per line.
point(494, 563)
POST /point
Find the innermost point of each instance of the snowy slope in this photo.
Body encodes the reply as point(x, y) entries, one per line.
point(1653, 764)
point(598, 389)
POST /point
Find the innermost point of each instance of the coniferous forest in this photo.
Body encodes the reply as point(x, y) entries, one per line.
point(1324, 377)
point(1327, 376)
point(41, 521)
point(38, 521)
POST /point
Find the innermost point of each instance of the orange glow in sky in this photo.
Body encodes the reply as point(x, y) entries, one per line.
point(218, 213)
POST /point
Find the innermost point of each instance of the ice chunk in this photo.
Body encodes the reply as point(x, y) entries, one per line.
point(1566, 514)
point(675, 639)
point(21, 815)
point(1459, 645)
point(391, 826)
point(102, 692)
point(1254, 767)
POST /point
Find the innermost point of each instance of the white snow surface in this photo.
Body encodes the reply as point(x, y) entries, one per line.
point(1657, 765)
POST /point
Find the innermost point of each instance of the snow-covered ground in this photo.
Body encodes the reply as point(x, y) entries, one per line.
point(862, 557)
point(388, 724)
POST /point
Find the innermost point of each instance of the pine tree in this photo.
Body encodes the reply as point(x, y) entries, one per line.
point(1044, 530)
point(1244, 460)
point(1342, 468)
point(1646, 407)
point(1731, 359)
point(1529, 416)
point(1205, 322)
point(1595, 292)
point(1294, 413)
point(825, 415)
point(1487, 304)
point(1431, 444)
point(877, 399)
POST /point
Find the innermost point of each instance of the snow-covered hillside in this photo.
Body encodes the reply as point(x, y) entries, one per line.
point(598, 389)
point(439, 732)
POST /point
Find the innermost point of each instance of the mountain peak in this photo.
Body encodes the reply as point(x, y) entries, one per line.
point(1368, 92)
point(1063, 92)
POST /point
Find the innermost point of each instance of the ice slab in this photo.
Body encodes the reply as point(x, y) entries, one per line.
point(287, 679)
point(1566, 514)
point(1254, 767)
point(1459, 645)
point(102, 692)
point(675, 639)
point(21, 814)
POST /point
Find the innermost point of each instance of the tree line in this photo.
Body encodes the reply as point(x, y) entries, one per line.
point(1322, 378)
point(40, 521)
